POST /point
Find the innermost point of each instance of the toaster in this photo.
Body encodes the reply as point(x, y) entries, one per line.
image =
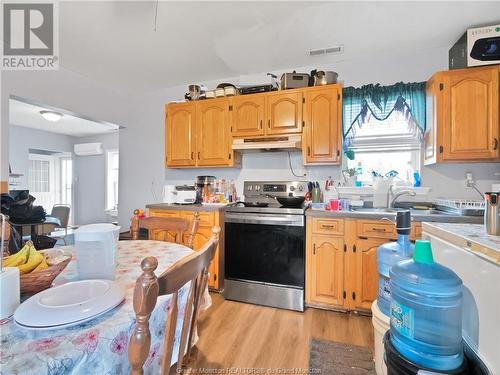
point(294, 80)
point(185, 194)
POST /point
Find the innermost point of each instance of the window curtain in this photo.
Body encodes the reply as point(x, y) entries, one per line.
point(359, 104)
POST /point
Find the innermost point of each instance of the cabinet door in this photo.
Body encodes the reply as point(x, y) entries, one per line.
point(433, 119)
point(322, 136)
point(327, 270)
point(363, 285)
point(247, 115)
point(180, 135)
point(471, 127)
point(284, 113)
point(212, 133)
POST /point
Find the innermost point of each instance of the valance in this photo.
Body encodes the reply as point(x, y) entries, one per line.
point(359, 104)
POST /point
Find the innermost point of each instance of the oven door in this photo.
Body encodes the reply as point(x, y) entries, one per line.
point(265, 248)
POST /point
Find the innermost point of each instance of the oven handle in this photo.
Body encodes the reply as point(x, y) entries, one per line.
point(293, 220)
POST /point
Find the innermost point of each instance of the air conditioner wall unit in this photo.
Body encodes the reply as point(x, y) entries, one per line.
point(87, 149)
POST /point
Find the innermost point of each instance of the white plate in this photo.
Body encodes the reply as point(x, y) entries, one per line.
point(70, 303)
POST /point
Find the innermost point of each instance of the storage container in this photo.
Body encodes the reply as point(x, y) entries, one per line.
point(396, 364)
point(381, 325)
point(426, 311)
point(96, 251)
point(391, 253)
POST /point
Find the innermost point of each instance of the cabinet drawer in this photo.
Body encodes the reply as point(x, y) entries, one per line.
point(375, 229)
point(206, 218)
point(328, 226)
point(163, 213)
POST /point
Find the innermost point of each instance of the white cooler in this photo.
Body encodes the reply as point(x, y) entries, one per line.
point(96, 251)
point(381, 324)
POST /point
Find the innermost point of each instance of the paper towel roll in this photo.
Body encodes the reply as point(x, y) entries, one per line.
point(10, 291)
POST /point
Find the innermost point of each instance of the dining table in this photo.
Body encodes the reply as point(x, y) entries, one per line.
point(98, 346)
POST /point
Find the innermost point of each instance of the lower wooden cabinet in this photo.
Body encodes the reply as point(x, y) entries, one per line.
point(207, 221)
point(341, 261)
point(326, 279)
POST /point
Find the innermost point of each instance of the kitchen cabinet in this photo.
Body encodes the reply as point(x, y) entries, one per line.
point(247, 115)
point(180, 135)
point(284, 112)
point(198, 135)
point(326, 265)
point(207, 221)
point(341, 261)
point(463, 116)
point(364, 283)
point(213, 138)
point(322, 133)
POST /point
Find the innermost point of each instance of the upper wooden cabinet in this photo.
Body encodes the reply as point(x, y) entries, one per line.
point(198, 134)
point(180, 135)
point(463, 116)
point(284, 112)
point(322, 137)
point(213, 138)
point(247, 115)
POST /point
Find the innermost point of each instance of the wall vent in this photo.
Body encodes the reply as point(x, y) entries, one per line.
point(326, 51)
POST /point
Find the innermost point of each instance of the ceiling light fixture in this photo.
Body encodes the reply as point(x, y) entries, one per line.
point(51, 115)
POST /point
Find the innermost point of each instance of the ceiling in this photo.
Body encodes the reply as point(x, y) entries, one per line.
point(115, 44)
point(28, 115)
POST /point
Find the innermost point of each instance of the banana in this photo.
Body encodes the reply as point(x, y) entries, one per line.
point(43, 265)
point(34, 259)
point(18, 258)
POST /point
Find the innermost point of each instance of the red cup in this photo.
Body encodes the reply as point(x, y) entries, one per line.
point(334, 205)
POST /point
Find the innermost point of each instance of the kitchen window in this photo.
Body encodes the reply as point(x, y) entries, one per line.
point(383, 128)
point(112, 169)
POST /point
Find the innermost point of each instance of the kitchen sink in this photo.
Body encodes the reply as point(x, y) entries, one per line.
point(374, 210)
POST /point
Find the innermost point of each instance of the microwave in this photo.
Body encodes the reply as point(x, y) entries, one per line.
point(476, 47)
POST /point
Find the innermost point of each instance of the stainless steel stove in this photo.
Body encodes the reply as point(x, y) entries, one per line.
point(264, 246)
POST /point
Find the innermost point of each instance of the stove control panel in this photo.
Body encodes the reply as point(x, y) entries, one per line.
point(255, 189)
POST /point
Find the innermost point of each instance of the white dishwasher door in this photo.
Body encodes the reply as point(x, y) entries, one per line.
point(481, 298)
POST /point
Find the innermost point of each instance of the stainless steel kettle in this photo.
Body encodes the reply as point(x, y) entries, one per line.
point(492, 213)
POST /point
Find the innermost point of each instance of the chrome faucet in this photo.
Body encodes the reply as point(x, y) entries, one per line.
point(390, 203)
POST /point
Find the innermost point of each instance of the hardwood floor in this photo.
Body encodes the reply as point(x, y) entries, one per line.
point(239, 335)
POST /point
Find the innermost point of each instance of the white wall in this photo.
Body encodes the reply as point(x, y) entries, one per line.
point(90, 187)
point(22, 139)
point(143, 161)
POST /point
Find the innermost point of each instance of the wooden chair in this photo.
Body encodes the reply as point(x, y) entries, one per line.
point(193, 268)
point(170, 226)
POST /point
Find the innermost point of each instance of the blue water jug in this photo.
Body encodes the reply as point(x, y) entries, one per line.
point(389, 254)
point(426, 311)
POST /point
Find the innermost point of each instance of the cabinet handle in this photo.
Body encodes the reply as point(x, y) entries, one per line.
point(261, 124)
point(353, 248)
point(314, 249)
point(198, 155)
point(345, 250)
point(495, 144)
point(354, 296)
point(327, 226)
point(344, 294)
point(269, 124)
point(441, 149)
point(192, 155)
point(378, 229)
point(308, 151)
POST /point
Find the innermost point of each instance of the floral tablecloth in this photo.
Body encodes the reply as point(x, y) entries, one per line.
point(99, 346)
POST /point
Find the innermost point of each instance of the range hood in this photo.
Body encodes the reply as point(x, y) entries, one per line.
point(278, 143)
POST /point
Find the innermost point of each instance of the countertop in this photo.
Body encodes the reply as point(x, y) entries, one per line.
point(416, 216)
point(472, 237)
point(186, 207)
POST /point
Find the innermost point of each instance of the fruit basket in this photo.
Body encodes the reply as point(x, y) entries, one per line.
point(34, 282)
point(37, 269)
